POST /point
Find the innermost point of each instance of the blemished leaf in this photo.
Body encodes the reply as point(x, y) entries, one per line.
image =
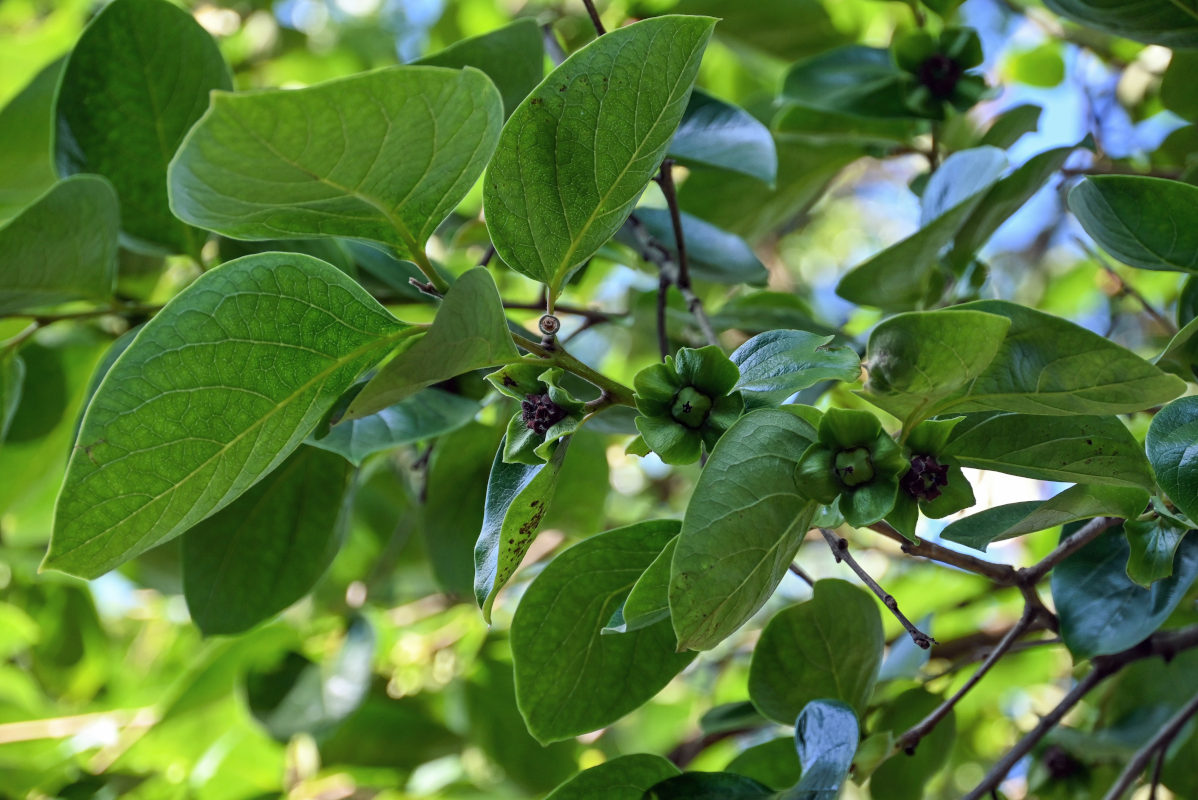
point(214, 393)
point(62, 247)
point(1161, 22)
point(712, 254)
point(1076, 449)
point(1103, 611)
point(425, 415)
point(1144, 222)
point(776, 364)
point(12, 381)
point(1153, 545)
point(570, 679)
point(469, 332)
point(622, 778)
point(853, 79)
point(383, 155)
point(1011, 125)
point(774, 763)
point(1173, 451)
point(826, 735)
point(518, 495)
point(828, 647)
point(709, 786)
point(1016, 519)
point(915, 360)
point(267, 549)
point(743, 526)
point(1048, 365)
point(513, 57)
point(718, 134)
point(573, 158)
point(648, 601)
point(26, 142)
point(136, 82)
point(905, 776)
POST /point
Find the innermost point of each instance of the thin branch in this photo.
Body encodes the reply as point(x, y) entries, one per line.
point(663, 337)
point(1029, 576)
point(1001, 574)
point(840, 549)
point(487, 256)
point(1127, 289)
point(593, 314)
point(1156, 772)
point(598, 23)
point(1160, 743)
point(803, 576)
point(552, 46)
point(682, 278)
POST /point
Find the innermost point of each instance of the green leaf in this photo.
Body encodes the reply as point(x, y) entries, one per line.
point(797, 122)
point(852, 79)
point(12, 380)
point(648, 601)
point(774, 763)
point(1153, 544)
point(267, 549)
point(1177, 90)
point(826, 735)
point(1076, 449)
point(1149, 223)
point(905, 776)
point(1011, 125)
point(915, 360)
point(732, 716)
point(718, 134)
point(569, 678)
point(513, 57)
point(573, 159)
point(1180, 356)
point(1047, 365)
point(622, 778)
point(1040, 66)
point(425, 415)
point(1174, 454)
point(518, 495)
point(776, 364)
point(1165, 22)
point(712, 254)
point(136, 82)
point(1101, 610)
point(963, 175)
point(785, 29)
point(828, 647)
point(26, 142)
point(709, 786)
point(1015, 519)
point(214, 393)
point(469, 332)
point(743, 526)
point(62, 247)
point(383, 155)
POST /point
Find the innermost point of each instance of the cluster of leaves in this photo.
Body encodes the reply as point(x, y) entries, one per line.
point(250, 357)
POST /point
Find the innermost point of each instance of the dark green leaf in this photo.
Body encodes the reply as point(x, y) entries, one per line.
point(1151, 223)
point(622, 778)
point(1103, 611)
point(513, 57)
point(1015, 519)
point(742, 528)
point(518, 495)
point(786, 29)
point(829, 647)
point(62, 247)
point(569, 678)
point(578, 503)
point(718, 134)
point(774, 763)
point(1081, 449)
point(572, 160)
point(12, 380)
point(136, 82)
point(731, 716)
point(386, 731)
point(826, 735)
point(712, 254)
point(1173, 451)
point(425, 415)
point(775, 365)
point(709, 786)
point(1177, 86)
point(648, 602)
point(1011, 125)
point(26, 142)
point(1180, 356)
point(215, 392)
point(267, 549)
point(852, 79)
point(469, 332)
point(905, 776)
point(803, 123)
point(1153, 545)
point(383, 155)
point(1165, 22)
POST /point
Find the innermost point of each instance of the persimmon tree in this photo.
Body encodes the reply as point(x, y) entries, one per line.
point(457, 405)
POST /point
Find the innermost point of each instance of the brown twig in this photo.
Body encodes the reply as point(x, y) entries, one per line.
point(1029, 576)
point(1158, 743)
point(1001, 574)
point(598, 23)
point(593, 314)
point(803, 576)
point(1127, 289)
point(681, 276)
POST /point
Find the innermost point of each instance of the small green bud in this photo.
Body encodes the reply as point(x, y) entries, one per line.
point(691, 407)
point(854, 467)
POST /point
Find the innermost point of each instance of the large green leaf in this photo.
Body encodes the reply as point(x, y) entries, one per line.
point(829, 647)
point(469, 332)
point(795, 121)
point(622, 778)
point(709, 786)
point(775, 763)
point(743, 526)
point(26, 142)
point(425, 415)
point(136, 82)
point(917, 359)
point(785, 29)
point(826, 736)
point(513, 57)
point(577, 153)
point(518, 495)
point(1082, 449)
point(1015, 519)
point(1102, 610)
point(62, 247)
point(569, 678)
point(904, 776)
point(1172, 23)
point(712, 254)
point(214, 393)
point(1153, 545)
point(852, 80)
point(718, 134)
point(1151, 223)
point(1172, 445)
point(776, 364)
point(265, 550)
point(383, 155)
point(648, 601)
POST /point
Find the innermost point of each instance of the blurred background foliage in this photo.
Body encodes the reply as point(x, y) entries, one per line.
point(386, 682)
